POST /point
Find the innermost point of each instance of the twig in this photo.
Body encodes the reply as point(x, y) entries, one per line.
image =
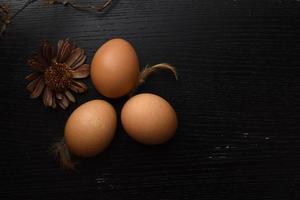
point(80, 7)
point(27, 3)
point(6, 17)
point(4, 11)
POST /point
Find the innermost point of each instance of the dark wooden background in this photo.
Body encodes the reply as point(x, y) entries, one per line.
point(237, 100)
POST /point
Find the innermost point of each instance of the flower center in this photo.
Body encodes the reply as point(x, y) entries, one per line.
point(58, 77)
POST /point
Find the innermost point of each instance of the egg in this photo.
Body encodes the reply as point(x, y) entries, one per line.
point(149, 119)
point(115, 68)
point(90, 128)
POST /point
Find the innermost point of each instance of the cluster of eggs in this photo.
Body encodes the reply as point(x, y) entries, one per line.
point(147, 118)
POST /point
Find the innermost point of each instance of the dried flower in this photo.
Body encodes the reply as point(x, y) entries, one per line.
point(56, 73)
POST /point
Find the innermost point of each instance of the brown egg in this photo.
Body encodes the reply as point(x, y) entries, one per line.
point(115, 68)
point(149, 119)
point(90, 128)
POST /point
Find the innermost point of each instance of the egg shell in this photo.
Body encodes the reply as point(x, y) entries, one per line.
point(90, 128)
point(149, 119)
point(115, 68)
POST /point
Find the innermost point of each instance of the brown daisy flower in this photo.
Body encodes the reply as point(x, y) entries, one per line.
point(56, 73)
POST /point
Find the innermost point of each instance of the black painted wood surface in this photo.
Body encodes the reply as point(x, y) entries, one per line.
point(237, 100)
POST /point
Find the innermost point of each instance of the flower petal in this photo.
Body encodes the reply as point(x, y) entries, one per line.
point(81, 72)
point(64, 103)
point(47, 97)
point(38, 89)
point(32, 76)
point(79, 61)
point(30, 87)
point(61, 105)
point(75, 54)
point(46, 51)
point(70, 96)
point(53, 101)
point(36, 65)
point(59, 44)
point(59, 95)
point(78, 87)
point(41, 60)
point(64, 51)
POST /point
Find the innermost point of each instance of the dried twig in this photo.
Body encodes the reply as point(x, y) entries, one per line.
point(97, 8)
point(27, 3)
point(6, 16)
point(5, 19)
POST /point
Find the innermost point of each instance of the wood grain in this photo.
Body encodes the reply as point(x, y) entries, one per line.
point(237, 100)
